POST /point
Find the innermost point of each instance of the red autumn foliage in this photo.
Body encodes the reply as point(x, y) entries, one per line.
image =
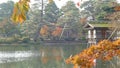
point(117, 8)
point(57, 31)
point(44, 30)
point(78, 3)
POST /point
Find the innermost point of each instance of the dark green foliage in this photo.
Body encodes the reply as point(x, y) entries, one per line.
point(52, 12)
point(71, 21)
point(6, 9)
point(97, 9)
point(7, 29)
point(108, 9)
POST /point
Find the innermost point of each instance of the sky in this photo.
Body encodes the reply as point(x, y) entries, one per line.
point(59, 2)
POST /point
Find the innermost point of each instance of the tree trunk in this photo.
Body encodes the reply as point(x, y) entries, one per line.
point(39, 27)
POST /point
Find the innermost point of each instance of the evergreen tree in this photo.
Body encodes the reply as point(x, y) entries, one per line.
point(7, 29)
point(6, 9)
point(52, 12)
point(70, 20)
point(94, 9)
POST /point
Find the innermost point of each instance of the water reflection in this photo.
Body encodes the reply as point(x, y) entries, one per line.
point(37, 56)
point(14, 56)
point(50, 54)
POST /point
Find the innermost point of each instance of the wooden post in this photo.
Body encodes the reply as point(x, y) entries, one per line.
point(94, 33)
point(89, 37)
point(94, 36)
point(89, 33)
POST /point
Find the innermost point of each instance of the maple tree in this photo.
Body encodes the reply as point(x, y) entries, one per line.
point(117, 8)
point(104, 50)
point(44, 30)
point(57, 31)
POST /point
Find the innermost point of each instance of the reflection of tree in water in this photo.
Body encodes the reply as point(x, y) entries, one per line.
point(51, 55)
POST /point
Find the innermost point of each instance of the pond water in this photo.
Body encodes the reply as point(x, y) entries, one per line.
point(38, 56)
point(44, 56)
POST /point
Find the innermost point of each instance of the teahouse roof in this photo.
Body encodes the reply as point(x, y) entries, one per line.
point(101, 25)
point(96, 25)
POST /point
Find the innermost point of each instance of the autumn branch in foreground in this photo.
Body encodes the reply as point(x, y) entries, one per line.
point(20, 11)
point(104, 50)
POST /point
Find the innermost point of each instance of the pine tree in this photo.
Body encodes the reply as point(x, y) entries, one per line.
point(52, 12)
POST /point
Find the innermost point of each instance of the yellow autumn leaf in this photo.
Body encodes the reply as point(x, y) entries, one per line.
point(20, 19)
point(26, 7)
point(19, 11)
point(28, 0)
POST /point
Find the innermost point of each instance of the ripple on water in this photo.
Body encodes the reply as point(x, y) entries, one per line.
point(15, 56)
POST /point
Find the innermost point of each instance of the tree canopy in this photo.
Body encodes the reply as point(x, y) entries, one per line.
point(52, 12)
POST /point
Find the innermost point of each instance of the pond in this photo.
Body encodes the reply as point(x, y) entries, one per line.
point(37, 56)
point(44, 56)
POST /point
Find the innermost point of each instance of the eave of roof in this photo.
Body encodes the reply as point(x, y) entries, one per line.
point(96, 25)
point(101, 25)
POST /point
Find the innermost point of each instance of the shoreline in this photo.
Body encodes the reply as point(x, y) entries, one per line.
point(47, 42)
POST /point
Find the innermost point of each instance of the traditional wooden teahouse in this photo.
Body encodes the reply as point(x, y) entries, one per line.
point(96, 32)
